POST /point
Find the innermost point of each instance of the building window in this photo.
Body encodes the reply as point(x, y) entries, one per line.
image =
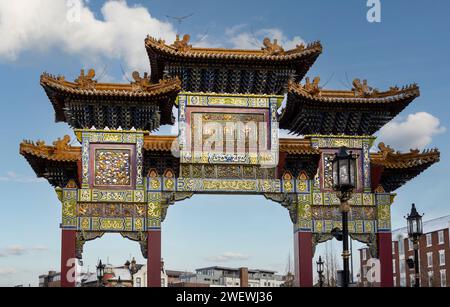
point(412, 280)
point(393, 248)
point(430, 279)
point(412, 258)
point(441, 237)
point(138, 282)
point(429, 240)
point(430, 259)
point(364, 254)
point(410, 245)
point(442, 257)
point(443, 274)
point(394, 266)
point(403, 281)
point(395, 281)
point(401, 246)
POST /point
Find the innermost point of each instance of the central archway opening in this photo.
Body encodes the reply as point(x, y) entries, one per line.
point(227, 232)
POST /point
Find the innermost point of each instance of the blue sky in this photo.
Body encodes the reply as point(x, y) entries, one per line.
point(409, 45)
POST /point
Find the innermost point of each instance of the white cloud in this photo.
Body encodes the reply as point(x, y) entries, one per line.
point(228, 256)
point(414, 132)
point(46, 24)
point(240, 37)
point(19, 250)
point(7, 271)
point(14, 177)
point(117, 34)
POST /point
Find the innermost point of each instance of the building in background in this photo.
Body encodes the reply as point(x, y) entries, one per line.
point(434, 256)
point(50, 280)
point(132, 274)
point(217, 276)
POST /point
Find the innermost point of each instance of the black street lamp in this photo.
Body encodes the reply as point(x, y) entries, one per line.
point(100, 273)
point(320, 271)
point(344, 181)
point(415, 231)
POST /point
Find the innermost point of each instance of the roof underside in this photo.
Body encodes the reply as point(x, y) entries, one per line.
point(265, 71)
point(86, 103)
point(362, 111)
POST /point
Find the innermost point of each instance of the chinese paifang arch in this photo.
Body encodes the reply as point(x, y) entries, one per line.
point(123, 179)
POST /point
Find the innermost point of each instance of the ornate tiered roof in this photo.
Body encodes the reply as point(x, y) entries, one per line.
point(264, 71)
point(85, 102)
point(58, 163)
point(360, 111)
point(393, 169)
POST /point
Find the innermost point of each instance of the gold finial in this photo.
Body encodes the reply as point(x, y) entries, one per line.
point(385, 149)
point(312, 88)
point(272, 48)
point(86, 81)
point(62, 144)
point(140, 83)
point(182, 45)
point(363, 89)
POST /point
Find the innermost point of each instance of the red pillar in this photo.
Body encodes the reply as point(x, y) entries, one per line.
point(385, 256)
point(154, 258)
point(68, 258)
point(303, 259)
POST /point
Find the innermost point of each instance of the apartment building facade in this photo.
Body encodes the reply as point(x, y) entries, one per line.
point(434, 256)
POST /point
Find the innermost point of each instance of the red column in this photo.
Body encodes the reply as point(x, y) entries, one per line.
point(303, 259)
point(385, 256)
point(68, 258)
point(154, 258)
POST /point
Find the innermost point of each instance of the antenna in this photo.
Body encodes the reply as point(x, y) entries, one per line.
point(329, 79)
point(255, 42)
point(102, 74)
point(181, 18)
point(123, 73)
point(348, 82)
point(203, 37)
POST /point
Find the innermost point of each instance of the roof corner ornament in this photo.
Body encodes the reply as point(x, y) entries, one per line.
point(272, 48)
point(363, 89)
point(86, 81)
point(385, 149)
point(62, 144)
point(140, 83)
point(312, 88)
point(40, 144)
point(183, 44)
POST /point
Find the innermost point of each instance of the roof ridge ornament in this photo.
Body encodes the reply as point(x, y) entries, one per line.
point(183, 44)
point(86, 81)
point(362, 89)
point(272, 48)
point(312, 88)
point(385, 149)
point(140, 83)
point(62, 144)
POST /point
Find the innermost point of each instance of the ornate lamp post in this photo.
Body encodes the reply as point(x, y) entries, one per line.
point(320, 271)
point(415, 231)
point(100, 273)
point(344, 181)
